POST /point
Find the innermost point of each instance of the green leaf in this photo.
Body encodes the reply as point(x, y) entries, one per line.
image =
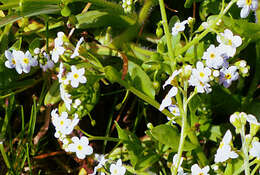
point(96, 18)
point(132, 144)
point(194, 53)
point(239, 26)
point(188, 3)
point(53, 95)
point(215, 133)
point(140, 79)
point(36, 43)
point(147, 161)
point(228, 170)
point(28, 12)
point(169, 135)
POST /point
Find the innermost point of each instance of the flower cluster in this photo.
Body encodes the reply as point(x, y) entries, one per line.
point(22, 62)
point(127, 5)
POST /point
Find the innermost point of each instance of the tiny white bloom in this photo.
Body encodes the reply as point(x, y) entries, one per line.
point(76, 76)
point(65, 96)
point(174, 109)
point(13, 62)
point(80, 146)
point(200, 78)
point(101, 162)
point(178, 27)
point(76, 51)
point(76, 103)
point(60, 74)
point(213, 57)
point(216, 73)
point(167, 101)
point(169, 80)
point(252, 119)
point(255, 150)
point(224, 151)
point(227, 75)
point(196, 170)
point(117, 169)
point(25, 59)
point(37, 51)
point(246, 6)
point(228, 42)
point(205, 25)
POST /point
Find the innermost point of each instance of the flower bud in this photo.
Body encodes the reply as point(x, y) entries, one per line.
point(238, 120)
point(150, 126)
point(254, 125)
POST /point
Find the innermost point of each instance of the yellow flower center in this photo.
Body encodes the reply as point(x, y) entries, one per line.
point(228, 76)
point(202, 74)
point(80, 147)
point(212, 55)
point(115, 171)
point(13, 61)
point(248, 2)
point(26, 60)
point(221, 145)
point(61, 122)
point(76, 76)
point(201, 174)
point(229, 42)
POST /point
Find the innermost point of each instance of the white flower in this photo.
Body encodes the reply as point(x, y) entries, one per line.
point(76, 51)
point(174, 110)
point(215, 73)
point(65, 96)
point(252, 119)
point(117, 169)
point(76, 103)
point(25, 60)
point(201, 73)
point(58, 49)
point(169, 80)
point(178, 27)
point(228, 75)
point(205, 25)
point(167, 101)
point(255, 150)
point(213, 57)
point(224, 151)
point(200, 78)
point(80, 146)
point(246, 6)
point(48, 64)
point(13, 62)
point(76, 76)
point(196, 170)
point(101, 162)
point(60, 74)
point(228, 42)
point(37, 51)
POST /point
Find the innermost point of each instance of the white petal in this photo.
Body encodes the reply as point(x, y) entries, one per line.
point(237, 41)
point(245, 11)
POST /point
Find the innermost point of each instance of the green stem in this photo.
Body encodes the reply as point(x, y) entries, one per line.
point(91, 137)
point(183, 112)
point(245, 151)
point(167, 34)
point(4, 155)
point(255, 169)
point(203, 34)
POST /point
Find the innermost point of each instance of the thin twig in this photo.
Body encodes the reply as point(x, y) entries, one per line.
point(44, 128)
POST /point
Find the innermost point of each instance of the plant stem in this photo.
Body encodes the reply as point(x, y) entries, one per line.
point(167, 34)
point(183, 112)
point(203, 34)
point(245, 151)
point(4, 155)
